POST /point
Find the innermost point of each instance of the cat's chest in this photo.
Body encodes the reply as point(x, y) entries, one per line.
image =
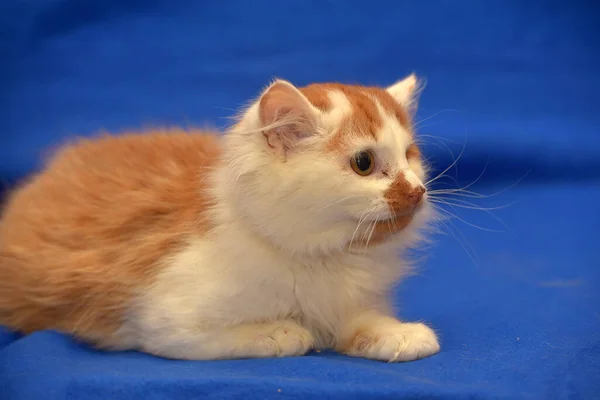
point(321, 295)
point(306, 287)
point(245, 282)
point(327, 291)
point(263, 284)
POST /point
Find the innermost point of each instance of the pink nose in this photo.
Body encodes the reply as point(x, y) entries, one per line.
point(416, 195)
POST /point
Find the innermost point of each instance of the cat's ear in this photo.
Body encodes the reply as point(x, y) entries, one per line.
point(406, 92)
point(287, 116)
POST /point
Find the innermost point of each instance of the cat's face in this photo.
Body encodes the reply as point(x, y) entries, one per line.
point(329, 166)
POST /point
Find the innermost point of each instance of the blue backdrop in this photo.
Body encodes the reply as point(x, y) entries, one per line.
point(516, 82)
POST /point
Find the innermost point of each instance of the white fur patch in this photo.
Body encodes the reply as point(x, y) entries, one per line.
point(340, 110)
point(233, 278)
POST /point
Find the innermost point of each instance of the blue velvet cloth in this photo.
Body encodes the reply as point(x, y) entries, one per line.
point(516, 82)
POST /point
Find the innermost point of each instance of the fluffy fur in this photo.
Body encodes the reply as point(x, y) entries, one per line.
point(263, 242)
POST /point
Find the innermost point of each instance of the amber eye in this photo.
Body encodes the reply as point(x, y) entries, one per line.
point(363, 163)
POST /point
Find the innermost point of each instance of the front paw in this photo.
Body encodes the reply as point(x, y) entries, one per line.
point(291, 339)
point(394, 343)
point(281, 339)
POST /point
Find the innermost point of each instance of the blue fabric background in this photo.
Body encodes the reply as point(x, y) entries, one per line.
point(518, 82)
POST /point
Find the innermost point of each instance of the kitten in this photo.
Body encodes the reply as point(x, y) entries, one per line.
point(279, 237)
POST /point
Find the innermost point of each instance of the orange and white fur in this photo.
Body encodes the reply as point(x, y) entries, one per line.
point(286, 234)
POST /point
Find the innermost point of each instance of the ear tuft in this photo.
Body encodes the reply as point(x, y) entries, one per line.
point(406, 92)
point(286, 115)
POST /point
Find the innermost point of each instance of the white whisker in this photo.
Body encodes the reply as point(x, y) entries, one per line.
point(440, 138)
point(462, 240)
point(338, 201)
point(418, 125)
point(450, 166)
point(373, 226)
point(471, 206)
point(465, 222)
point(362, 218)
point(466, 204)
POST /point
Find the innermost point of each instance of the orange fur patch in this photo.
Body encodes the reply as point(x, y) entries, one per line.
point(385, 229)
point(397, 194)
point(365, 119)
point(413, 152)
point(79, 240)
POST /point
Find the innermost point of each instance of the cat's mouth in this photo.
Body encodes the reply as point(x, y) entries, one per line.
point(382, 229)
point(409, 212)
point(397, 221)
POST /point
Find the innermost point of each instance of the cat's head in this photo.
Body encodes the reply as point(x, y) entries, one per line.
point(327, 166)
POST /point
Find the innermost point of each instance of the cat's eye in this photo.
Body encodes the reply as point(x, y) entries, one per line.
point(363, 162)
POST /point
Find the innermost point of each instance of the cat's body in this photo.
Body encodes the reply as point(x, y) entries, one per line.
point(265, 242)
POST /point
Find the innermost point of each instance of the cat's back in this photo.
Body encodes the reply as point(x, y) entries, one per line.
point(79, 238)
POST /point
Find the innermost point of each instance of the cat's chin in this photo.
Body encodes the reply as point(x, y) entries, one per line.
point(408, 213)
point(387, 228)
point(382, 230)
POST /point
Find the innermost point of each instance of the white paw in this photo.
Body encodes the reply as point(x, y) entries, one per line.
point(394, 343)
point(287, 338)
